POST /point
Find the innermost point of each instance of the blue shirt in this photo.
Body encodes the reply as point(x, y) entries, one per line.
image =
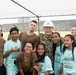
point(69, 65)
point(45, 66)
point(11, 68)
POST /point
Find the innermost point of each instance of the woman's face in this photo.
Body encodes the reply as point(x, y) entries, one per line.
point(55, 38)
point(28, 48)
point(40, 50)
point(67, 41)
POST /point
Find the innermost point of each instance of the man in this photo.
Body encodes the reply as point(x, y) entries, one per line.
point(73, 32)
point(46, 38)
point(11, 50)
point(2, 67)
point(29, 35)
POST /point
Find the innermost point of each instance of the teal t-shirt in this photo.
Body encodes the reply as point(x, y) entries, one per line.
point(45, 66)
point(69, 65)
point(11, 68)
point(58, 60)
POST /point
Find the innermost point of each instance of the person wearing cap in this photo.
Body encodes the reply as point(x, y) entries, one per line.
point(46, 38)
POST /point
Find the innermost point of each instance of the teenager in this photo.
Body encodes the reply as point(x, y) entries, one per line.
point(43, 61)
point(11, 49)
point(69, 58)
point(57, 52)
point(26, 60)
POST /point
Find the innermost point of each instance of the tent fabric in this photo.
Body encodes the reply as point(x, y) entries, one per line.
point(41, 8)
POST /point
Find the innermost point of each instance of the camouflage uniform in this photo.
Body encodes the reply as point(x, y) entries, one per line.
point(49, 45)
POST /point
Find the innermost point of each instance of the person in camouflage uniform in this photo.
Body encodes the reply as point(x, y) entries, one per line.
point(46, 38)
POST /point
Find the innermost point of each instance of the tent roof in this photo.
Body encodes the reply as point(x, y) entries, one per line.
point(41, 8)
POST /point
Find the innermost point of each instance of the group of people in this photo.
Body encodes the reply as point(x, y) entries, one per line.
point(44, 54)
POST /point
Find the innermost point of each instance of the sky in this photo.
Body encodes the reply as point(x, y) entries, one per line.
point(9, 9)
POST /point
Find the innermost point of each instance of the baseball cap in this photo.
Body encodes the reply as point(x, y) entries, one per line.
point(48, 24)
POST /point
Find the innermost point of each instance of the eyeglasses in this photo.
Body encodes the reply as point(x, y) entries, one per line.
point(28, 46)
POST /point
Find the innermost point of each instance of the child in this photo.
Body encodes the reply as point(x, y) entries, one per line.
point(26, 60)
point(69, 58)
point(58, 45)
point(11, 50)
point(44, 61)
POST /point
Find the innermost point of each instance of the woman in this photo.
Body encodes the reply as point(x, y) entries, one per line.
point(26, 60)
point(44, 61)
point(58, 45)
point(69, 58)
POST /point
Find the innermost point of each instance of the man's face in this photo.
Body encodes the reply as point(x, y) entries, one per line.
point(32, 26)
point(48, 30)
point(73, 31)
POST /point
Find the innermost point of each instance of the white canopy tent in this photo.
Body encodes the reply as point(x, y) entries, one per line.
point(37, 8)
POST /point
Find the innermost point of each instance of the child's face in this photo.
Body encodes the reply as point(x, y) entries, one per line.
point(28, 48)
point(67, 41)
point(40, 50)
point(14, 35)
point(55, 38)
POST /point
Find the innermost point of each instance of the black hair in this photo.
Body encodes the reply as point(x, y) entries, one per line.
point(14, 26)
point(40, 58)
point(54, 45)
point(34, 21)
point(73, 44)
point(14, 29)
point(30, 43)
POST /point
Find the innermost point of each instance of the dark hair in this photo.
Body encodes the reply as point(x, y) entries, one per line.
point(14, 26)
point(34, 21)
point(73, 44)
point(40, 58)
point(14, 29)
point(30, 43)
point(54, 45)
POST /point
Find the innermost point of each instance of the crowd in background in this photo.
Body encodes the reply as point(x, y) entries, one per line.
point(48, 53)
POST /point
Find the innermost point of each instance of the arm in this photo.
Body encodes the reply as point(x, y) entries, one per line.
point(7, 53)
point(20, 69)
point(47, 73)
point(10, 51)
point(34, 72)
point(18, 63)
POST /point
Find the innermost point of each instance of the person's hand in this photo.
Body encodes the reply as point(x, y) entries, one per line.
point(61, 69)
point(37, 68)
point(15, 49)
